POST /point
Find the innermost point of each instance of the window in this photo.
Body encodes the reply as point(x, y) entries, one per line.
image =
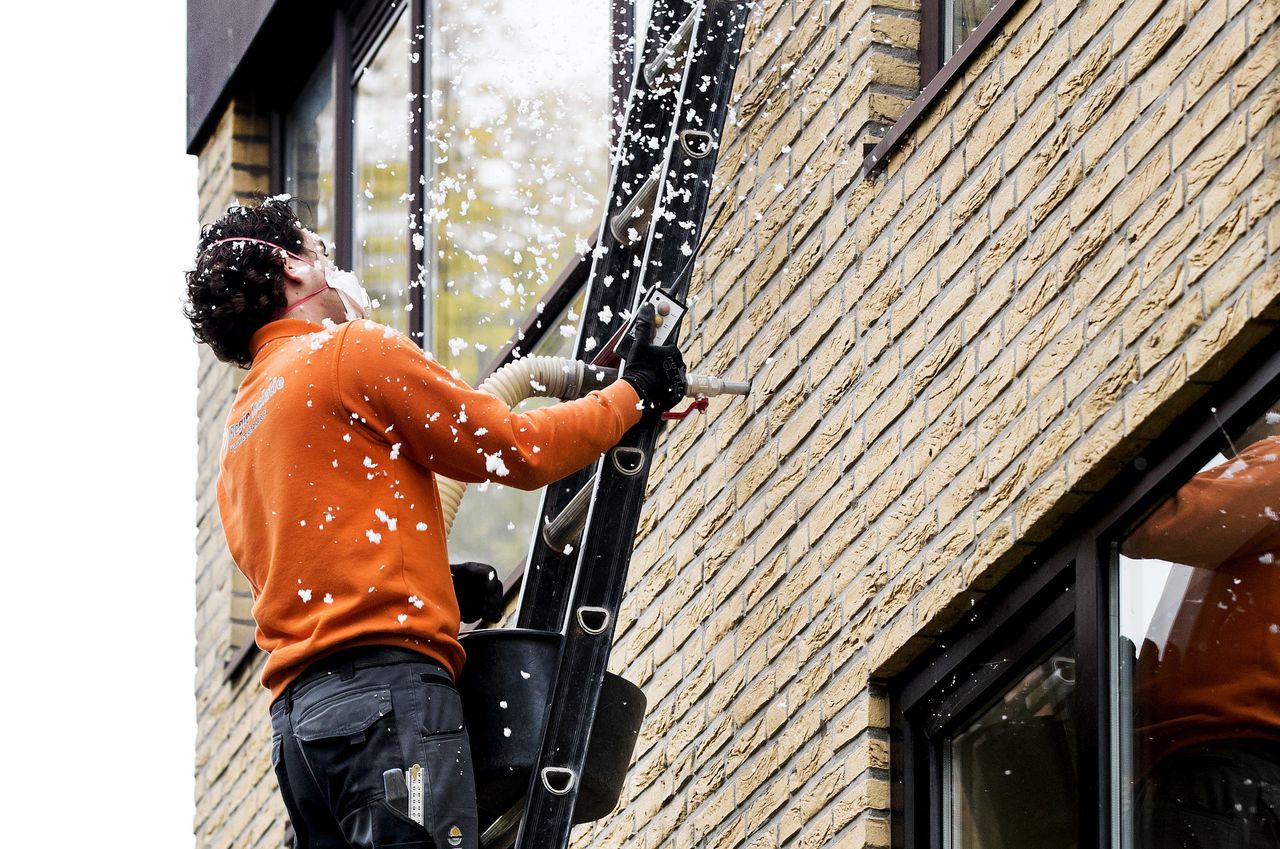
point(380, 187)
point(1124, 688)
point(951, 33)
point(519, 142)
point(945, 26)
point(986, 733)
point(959, 19)
point(1198, 650)
point(456, 155)
point(310, 150)
point(1010, 774)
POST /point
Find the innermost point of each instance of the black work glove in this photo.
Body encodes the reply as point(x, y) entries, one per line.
point(656, 372)
point(478, 590)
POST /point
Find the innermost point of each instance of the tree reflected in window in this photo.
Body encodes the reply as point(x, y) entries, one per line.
point(519, 151)
point(310, 150)
point(381, 193)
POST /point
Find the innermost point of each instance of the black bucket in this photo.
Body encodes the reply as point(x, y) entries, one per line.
point(505, 686)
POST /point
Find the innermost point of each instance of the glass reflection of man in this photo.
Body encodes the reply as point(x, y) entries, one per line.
point(1207, 702)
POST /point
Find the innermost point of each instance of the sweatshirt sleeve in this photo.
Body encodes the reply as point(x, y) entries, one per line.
point(391, 386)
point(1227, 512)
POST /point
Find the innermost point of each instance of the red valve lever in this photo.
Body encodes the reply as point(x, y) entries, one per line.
point(699, 404)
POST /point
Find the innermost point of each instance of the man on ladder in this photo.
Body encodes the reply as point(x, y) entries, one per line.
point(328, 498)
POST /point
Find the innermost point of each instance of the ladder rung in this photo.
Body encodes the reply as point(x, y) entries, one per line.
point(501, 833)
point(566, 529)
point(669, 55)
point(630, 225)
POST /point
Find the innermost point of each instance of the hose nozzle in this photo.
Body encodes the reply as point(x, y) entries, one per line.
point(710, 387)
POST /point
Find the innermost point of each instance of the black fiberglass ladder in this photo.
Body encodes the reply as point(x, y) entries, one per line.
point(662, 167)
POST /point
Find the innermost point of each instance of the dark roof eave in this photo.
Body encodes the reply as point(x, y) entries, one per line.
point(219, 36)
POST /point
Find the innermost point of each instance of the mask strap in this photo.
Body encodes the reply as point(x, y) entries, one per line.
point(255, 241)
point(302, 301)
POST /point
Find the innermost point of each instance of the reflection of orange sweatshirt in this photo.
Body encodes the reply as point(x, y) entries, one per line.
point(327, 492)
point(1219, 676)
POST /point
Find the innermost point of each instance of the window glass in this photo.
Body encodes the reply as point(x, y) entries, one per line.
point(381, 195)
point(960, 19)
point(518, 157)
point(495, 523)
point(309, 151)
point(518, 151)
point(1010, 775)
point(561, 331)
point(1198, 655)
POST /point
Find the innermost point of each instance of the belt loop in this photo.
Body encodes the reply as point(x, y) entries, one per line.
point(348, 668)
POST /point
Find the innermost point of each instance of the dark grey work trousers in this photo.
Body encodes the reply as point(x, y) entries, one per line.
point(353, 716)
point(1219, 796)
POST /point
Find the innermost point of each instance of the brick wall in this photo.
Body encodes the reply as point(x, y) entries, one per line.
point(948, 359)
point(237, 803)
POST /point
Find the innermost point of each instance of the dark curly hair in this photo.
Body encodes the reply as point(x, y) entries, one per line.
point(236, 287)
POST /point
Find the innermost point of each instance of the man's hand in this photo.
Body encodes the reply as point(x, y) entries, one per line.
point(478, 590)
point(656, 372)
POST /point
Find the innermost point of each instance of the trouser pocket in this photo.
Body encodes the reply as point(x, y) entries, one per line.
point(450, 799)
point(449, 796)
point(348, 739)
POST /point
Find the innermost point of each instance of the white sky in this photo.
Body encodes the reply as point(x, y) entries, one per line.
point(97, 509)
point(97, 512)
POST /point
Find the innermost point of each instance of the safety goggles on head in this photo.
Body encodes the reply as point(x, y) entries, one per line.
point(213, 245)
point(355, 300)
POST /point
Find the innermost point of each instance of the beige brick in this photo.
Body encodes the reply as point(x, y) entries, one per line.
point(1155, 40)
point(1213, 63)
point(1142, 185)
point(1082, 74)
point(1212, 156)
point(1259, 65)
point(1219, 332)
point(1165, 249)
point(1034, 79)
point(1166, 334)
point(1052, 235)
point(925, 247)
point(1147, 220)
point(909, 225)
point(1132, 18)
point(1204, 117)
point(1032, 37)
point(981, 141)
point(1215, 242)
point(928, 159)
point(1156, 128)
point(1190, 44)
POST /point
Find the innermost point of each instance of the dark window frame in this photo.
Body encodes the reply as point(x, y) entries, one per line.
point(1070, 590)
point(936, 76)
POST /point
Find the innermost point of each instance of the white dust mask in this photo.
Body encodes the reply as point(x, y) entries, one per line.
point(354, 297)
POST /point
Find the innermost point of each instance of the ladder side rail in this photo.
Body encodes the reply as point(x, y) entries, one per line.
point(684, 228)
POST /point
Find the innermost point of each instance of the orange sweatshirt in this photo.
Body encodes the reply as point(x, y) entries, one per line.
point(327, 489)
point(1218, 676)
